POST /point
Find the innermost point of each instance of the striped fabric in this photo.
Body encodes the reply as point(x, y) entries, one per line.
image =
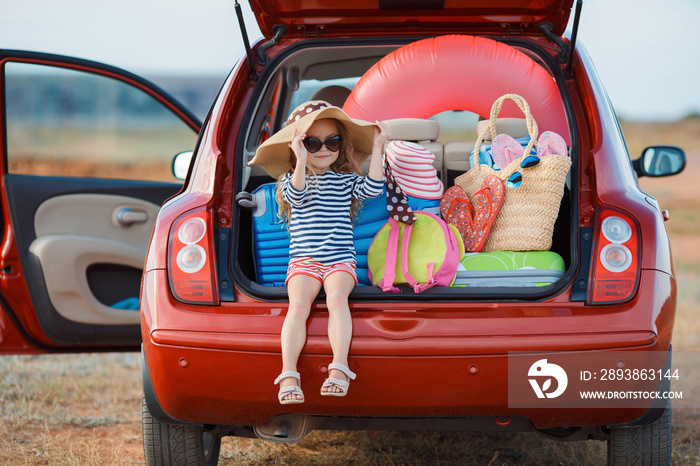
point(313, 268)
point(413, 169)
point(321, 226)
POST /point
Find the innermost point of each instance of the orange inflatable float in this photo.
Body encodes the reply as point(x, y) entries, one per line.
point(456, 72)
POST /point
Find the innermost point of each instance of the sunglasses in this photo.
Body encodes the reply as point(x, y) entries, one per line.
point(314, 145)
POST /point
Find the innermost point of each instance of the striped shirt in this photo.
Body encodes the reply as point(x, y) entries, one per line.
point(321, 225)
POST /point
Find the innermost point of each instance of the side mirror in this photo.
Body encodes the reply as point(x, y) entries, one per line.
point(181, 163)
point(659, 161)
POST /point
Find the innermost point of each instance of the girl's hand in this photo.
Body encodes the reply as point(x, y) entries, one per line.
point(381, 134)
point(297, 146)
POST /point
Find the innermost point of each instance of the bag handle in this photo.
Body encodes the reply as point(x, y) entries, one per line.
point(491, 125)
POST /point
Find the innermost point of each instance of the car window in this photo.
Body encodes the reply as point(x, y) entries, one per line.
point(618, 126)
point(63, 122)
point(311, 88)
point(456, 125)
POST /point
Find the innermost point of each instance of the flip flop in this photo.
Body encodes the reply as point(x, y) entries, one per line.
point(550, 143)
point(473, 216)
point(505, 149)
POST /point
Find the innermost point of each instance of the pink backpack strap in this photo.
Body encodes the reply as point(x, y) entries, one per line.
point(392, 247)
point(417, 287)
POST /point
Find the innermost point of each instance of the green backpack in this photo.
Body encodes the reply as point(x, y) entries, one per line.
point(422, 255)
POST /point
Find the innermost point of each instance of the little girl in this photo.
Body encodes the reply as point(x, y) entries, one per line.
point(319, 191)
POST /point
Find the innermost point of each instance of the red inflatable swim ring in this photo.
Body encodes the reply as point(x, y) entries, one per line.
point(456, 72)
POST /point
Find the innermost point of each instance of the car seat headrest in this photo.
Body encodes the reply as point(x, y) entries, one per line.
point(515, 127)
point(413, 129)
point(334, 95)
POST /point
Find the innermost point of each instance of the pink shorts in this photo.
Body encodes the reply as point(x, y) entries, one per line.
point(313, 268)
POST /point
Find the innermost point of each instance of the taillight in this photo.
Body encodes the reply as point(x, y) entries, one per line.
point(191, 262)
point(616, 261)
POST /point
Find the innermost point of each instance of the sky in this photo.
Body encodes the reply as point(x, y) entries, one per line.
point(645, 52)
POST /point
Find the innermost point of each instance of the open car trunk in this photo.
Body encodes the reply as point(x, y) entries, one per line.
point(451, 84)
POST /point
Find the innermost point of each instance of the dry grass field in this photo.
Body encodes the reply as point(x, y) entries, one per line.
point(85, 409)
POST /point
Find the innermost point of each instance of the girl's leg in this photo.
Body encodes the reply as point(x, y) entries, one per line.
point(302, 291)
point(338, 286)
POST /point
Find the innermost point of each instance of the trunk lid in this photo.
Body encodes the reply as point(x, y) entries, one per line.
point(425, 17)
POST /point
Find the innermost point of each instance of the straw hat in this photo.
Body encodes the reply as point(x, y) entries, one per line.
point(274, 154)
point(413, 169)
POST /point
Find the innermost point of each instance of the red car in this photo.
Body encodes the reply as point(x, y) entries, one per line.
point(212, 304)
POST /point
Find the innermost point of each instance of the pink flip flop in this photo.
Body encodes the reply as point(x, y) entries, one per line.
point(505, 149)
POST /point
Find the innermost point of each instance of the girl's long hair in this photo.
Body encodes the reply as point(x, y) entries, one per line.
point(345, 163)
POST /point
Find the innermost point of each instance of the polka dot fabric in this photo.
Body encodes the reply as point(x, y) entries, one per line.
point(396, 200)
point(305, 110)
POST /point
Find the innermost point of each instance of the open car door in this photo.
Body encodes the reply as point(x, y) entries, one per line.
point(87, 152)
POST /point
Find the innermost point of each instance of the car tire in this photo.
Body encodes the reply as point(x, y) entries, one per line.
point(167, 444)
point(642, 445)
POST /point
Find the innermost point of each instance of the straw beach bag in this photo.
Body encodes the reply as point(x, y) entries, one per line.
point(534, 187)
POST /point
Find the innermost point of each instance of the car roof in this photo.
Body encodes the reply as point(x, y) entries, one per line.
point(361, 18)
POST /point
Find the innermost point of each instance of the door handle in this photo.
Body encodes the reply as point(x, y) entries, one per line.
point(125, 216)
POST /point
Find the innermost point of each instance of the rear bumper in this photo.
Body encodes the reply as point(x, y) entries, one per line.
point(218, 368)
point(235, 388)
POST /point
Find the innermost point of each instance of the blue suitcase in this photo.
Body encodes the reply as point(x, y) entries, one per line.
point(271, 239)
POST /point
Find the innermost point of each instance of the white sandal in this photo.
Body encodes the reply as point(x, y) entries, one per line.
point(291, 389)
point(343, 385)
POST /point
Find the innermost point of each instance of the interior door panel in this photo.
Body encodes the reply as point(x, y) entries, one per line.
point(76, 232)
point(70, 231)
